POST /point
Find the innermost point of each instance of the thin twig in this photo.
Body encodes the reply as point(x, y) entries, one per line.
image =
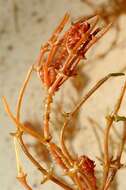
point(116, 163)
point(63, 146)
point(99, 83)
point(107, 131)
point(22, 127)
point(41, 169)
point(77, 107)
point(21, 93)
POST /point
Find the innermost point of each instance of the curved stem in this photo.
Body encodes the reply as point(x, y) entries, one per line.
point(95, 87)
point(117, 164)
point(41, 169)
point(77, 107)
point(63, 146)
point(107, 131)
point(21, 93)
point(23, 182)
point(22, 127)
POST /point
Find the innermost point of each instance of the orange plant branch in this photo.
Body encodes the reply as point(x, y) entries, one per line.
point(21, 93)
point(22, 127)
point(98, 84)
point(41, 169)
point(110, 120)
point(116, 163)
point(46, 119)
point(77, 107)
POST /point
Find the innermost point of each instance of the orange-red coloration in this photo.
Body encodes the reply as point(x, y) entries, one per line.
point(75, 33)
point(59, 57)
point(87, 167)
point(58, 156)
point(62, 54)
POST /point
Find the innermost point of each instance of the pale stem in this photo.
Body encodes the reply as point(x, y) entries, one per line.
point(21, 93)
point(47, 111)
point(77, 107)
point(107, 131)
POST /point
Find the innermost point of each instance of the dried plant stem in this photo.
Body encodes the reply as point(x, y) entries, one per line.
point(116, 165)
point(39, 138)
point(41, 169)
point(77, 182)
point(57, 154)
point(22, 127)
point(57, 62)
point(21, 93)
point(110, 120)
point(47, 111)
point(21, 175)
point(51, 42)
point(118, 135)
point(63, 146)
point(85, 179)
point(77, 107)
point(71, 114)
point(23, 182)
point(59, 28)
point(95, 39)
point(18, 162)
point(121, 148)
point(99, 83)
point(64, 163)
point(53, 178)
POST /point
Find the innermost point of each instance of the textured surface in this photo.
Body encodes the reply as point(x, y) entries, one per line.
point(24, 26)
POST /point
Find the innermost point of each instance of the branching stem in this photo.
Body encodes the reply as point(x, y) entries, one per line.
point(106, 139)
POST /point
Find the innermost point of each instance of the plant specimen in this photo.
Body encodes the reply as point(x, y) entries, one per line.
point(109, 11)
point(57, 62)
